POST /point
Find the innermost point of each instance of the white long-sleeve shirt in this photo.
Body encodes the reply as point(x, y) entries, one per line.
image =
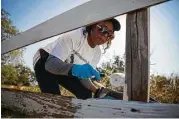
point(74, 42)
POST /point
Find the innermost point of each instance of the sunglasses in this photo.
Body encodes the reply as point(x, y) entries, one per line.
point(107, 33)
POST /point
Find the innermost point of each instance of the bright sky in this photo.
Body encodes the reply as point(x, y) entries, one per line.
point(164, 31)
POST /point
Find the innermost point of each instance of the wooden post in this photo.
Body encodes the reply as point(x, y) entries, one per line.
point(137, 56)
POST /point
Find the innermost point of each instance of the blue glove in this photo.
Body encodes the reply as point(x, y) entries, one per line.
point(85, 71)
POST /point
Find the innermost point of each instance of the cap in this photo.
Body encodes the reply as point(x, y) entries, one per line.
point(116, 24)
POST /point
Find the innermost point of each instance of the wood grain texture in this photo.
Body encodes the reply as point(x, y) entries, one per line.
point(48, 105)
point(85, 14)
point(137, 56)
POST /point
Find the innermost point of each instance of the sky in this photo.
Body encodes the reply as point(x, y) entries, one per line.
point(164, 30)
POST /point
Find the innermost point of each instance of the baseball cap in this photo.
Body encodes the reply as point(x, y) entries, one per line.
point(116, 24)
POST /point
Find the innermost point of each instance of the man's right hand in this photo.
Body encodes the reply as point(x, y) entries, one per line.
point(85, 71)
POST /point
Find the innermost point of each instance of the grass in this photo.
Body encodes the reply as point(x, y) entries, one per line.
point(35, 89)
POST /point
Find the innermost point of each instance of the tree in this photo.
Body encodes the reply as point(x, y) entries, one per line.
point(18, 75)
point(114, 65)
point(6, 26)
point(7, 31)
point(13, 71)
point(25, 75)
point(118, 64)
point(8, 75)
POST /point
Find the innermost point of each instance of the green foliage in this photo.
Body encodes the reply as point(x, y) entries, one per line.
point(8, 75)
point(163, 89)
point(12, 70)
point(19, 75)
point(25, 75)
point(6, 26)
point(14, 57)
point(8, 30)
point(114, 65)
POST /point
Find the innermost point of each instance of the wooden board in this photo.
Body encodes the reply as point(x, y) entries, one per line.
point(47, 105)
point(85, 14)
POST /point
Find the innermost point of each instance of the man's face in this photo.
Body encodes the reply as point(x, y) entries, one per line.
point(102, 33)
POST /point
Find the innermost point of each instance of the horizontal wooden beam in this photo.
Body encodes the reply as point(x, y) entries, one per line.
point(85, 14)
point(49, 105)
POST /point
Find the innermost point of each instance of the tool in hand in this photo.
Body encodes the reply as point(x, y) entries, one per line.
point(105, 92)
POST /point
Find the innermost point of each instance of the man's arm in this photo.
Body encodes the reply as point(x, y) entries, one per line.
point(57, 66)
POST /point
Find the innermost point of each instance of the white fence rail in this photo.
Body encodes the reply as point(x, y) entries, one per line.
point(85, 14)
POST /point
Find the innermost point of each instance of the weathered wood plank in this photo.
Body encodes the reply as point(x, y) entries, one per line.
point(90, 12)
point(137, 56)
point(48, 105)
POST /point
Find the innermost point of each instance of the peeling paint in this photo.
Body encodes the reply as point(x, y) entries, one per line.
point(48, 105)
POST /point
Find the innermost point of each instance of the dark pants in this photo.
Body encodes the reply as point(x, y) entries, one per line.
point(49, 83)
